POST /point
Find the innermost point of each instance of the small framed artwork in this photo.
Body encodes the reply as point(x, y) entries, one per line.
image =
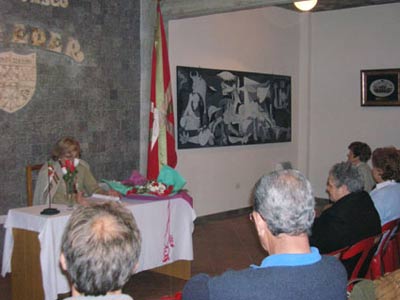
point(380, 87)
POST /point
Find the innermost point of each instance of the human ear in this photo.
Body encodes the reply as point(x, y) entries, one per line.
point(63, 262)
point(259, 222)
point(135, 267)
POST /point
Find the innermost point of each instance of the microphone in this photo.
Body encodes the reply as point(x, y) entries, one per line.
point(50, 175)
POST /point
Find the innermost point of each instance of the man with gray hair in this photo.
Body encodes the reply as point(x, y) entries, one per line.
point(351, 218)
point(283, 215)
point(100, 251)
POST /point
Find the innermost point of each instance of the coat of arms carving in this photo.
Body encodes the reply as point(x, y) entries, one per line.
point(17, 80)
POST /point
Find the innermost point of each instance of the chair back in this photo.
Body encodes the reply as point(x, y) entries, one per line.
point(29, 181)
point(390, 253)
point(377, 266)
point(388, 232)
point(363, 250)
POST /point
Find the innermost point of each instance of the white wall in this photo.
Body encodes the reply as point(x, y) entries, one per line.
point(342, 43)
point(264, 41)
point(324, 53)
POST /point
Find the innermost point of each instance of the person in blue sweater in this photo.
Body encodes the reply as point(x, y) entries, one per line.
point(386, 172)
point(283, 215)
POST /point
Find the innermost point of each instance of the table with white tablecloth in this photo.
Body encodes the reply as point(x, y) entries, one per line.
point(166, 227)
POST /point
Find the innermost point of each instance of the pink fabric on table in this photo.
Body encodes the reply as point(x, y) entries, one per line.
point(135, 179)
point(182, 194)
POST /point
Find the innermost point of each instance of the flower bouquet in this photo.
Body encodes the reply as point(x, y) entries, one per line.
point(152, 187)
point(168, 183)
point(68, 168)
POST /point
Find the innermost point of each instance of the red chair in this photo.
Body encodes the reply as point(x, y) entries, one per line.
point(391, 260)
point(397, 248)
point(362, 249)
point(383, 257)
point(391, 257)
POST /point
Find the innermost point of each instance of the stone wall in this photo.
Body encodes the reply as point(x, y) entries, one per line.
point(95, 100)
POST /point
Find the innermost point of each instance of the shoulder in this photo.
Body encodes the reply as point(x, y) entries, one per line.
point(45, 166)
point(83, 164)
point(392, 187)
point(359, 203)
point(334, 263)
point(239, 284)
point(197, 287)
point(202, 286)
point(363, 166)
point(358, 196)
point(244, 280)
point(390, 191)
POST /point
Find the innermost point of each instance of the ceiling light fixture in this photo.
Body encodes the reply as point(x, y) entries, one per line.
point(305, 5)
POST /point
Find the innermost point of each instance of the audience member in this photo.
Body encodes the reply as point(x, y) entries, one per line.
point(283, 215)
point(100, 251)
point(386, 172)
point(51, 175)
point(351, 218)
point(359, 154)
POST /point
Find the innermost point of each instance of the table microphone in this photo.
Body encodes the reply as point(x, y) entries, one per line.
point(50, 210)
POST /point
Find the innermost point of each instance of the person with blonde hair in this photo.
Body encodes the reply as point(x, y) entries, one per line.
point(50, 183)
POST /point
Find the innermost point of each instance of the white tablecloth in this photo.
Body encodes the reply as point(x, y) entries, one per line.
point(166, 227)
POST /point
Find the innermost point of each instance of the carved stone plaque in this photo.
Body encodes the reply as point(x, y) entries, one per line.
point(17, 80)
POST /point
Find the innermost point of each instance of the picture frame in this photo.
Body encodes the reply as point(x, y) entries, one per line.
point(222, 107)
point(380, 87)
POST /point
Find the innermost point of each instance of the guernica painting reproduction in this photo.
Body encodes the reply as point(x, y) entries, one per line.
point(226, 108)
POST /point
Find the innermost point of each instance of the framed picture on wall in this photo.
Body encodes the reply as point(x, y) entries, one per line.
point(227, 108)
point(380, 87)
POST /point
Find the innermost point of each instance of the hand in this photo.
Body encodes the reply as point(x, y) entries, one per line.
point(80, 199)
point(113, 193)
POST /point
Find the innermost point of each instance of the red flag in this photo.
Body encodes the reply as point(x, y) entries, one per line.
point(161, 149)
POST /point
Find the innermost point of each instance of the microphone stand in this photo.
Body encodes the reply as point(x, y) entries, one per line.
point(50, 210)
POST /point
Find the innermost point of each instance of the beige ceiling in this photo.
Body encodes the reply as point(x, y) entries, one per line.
point(177, 9)
point(324, 5)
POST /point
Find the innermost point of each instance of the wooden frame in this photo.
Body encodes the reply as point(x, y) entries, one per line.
point(380, 87)
point(29, 182)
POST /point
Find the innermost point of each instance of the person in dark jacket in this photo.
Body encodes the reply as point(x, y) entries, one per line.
point(283, 215)
point(351, 218)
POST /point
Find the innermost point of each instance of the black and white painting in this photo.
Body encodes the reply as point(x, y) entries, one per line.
point(226, 108)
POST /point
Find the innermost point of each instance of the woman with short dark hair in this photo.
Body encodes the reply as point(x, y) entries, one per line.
point(359, 154)
point(386, 172)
